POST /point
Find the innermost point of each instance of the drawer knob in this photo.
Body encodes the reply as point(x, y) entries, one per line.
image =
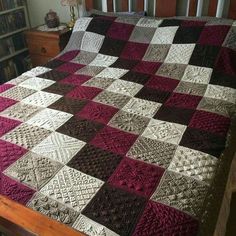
point(43, 50)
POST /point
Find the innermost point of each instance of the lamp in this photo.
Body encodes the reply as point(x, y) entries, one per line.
point(72, 4)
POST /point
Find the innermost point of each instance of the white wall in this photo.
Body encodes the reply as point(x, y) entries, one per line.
point(39, 8)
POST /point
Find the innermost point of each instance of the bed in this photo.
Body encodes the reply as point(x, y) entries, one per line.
point(129, 131)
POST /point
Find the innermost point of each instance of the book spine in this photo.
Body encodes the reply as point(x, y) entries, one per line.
point(7, 71)
point(11, 4)
point(12, 21)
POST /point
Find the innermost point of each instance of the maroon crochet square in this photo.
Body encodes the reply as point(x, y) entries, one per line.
point(174, 114)
point(7, 125)
point(204, 55)
point(110, 18)
point(226, 61)
point(136, 77)
point(99, 25)
point(210, 122)
point(147, 67)
point(98, 112)
point(5, 103)
point(83, 92)
point(170, 22)
point(203, 141)
point(68, 105)
point(162, 83)
point(112, 47)
point(54, 63)
point(81, 129)
point(134, 51)
point(70, 67)
point(75, 79)
point(57, 88)
point(222, 79)
point(9, 153)
point(159, 219)
point(137, 177)
point(120, 31)
point(68, 56)
point(15, 190)
point(116, 209)
point(214, 34)
point(54, 75)
point(5, 87)
point(192, 23)
point(125, 64)
point(114, 140)
point(95, 162)
point(183, 100)
point(154, 95)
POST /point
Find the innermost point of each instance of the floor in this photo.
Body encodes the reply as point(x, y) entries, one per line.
point(231, 226)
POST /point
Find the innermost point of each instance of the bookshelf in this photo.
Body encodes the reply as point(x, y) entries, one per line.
point(14, 20)
point(10, 10)
point(13, 54)
point(14, 32)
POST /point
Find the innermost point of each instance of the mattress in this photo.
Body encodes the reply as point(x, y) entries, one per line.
point(129, 131)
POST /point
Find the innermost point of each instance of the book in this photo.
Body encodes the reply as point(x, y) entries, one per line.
point(21, 62)
point(12, 21)
point(7, 71)
point(11, 4)
point(18, 41)
point(12, 44)
point(11, 62)
point(5, 47)
point(16, 66)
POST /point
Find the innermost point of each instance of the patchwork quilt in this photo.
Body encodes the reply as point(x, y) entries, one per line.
point(122, 133)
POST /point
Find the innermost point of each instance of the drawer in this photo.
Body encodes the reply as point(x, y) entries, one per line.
point(48, 48)
point(38, 60)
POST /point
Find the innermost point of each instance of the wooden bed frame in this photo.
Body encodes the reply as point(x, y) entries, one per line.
point(167, 8)
point(18, 220)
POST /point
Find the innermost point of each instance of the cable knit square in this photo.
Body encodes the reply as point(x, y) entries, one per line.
point(181, 192)
point(97, 112)
point(15, 190)
point(20, 111)
point(116, 209)
point(9, 153)
point(152, 151)
point(137, 177)
point(49, 119)
point(111, 98)
point(33, 170)
point(180, 53)
point(114, 140)
point(7, 125)
point(72, 188)
point(159, 219)
point(95, 162)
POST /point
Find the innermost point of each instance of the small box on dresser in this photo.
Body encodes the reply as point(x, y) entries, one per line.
point(44, 45)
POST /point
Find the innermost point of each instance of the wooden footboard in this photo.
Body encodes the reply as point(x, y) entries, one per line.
point(233, 183)
point(225, 207)
point(17, 220)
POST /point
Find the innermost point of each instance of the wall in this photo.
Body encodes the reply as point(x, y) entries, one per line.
point(39, 8)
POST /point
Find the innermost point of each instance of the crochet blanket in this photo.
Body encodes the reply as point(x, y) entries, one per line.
point(122, 133)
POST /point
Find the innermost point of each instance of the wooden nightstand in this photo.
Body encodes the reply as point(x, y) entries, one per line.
point(44, 45)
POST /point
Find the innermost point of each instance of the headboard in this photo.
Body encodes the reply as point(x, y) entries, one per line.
point(167, 8)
